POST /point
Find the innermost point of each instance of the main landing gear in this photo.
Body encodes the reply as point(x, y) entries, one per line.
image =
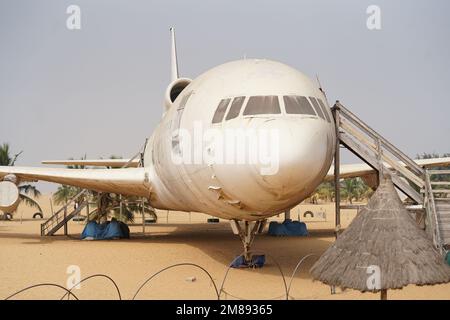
point(246, 230)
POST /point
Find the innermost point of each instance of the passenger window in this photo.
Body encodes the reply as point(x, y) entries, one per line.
point(262, 105)
point(298, 105)
point(324, 108)
point(220, 112)
point(235, 108)
point(317, 107)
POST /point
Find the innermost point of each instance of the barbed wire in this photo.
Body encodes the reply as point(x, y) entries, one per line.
point(218, 292)
point(90, 277)
point(41, 285)
point(174, 266)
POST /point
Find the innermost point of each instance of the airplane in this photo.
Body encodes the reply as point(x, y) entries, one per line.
point(262, 105)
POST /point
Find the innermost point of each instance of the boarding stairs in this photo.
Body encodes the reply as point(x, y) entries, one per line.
point(410, 178)
point(65, 214)
point(439, 195)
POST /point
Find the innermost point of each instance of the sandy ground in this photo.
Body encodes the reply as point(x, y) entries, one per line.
point(28, 259)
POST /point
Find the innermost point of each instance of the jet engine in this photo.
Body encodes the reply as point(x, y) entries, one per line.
point(173, 91)
point(9, 194)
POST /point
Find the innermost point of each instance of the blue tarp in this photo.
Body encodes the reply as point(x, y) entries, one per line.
point(109, 230)
point(287, 228)
point(257, 261)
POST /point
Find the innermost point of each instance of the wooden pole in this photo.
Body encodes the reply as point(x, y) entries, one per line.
point(65, 224)
point(380, 160)
point(383, 294)
point(337, 189)
point(143, 217)
point(120, 207)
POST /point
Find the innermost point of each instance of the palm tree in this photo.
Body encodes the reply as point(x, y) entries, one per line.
point(108, 204)
point(63, 194)
point(354, 188)
point(26, 191)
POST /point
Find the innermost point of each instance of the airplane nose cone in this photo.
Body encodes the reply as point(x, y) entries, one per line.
point(296, 156)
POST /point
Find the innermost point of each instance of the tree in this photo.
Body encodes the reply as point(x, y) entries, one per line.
point(108, 204)
point(26, 191)
point(354, 188)
point(325, 192)
point(63, 194)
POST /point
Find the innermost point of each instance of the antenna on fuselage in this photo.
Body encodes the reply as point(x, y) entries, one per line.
point(173, 58)
point(320, 85)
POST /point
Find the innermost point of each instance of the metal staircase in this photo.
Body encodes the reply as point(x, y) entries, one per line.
point(63, 215)
point(410, 178)
point(440, 203)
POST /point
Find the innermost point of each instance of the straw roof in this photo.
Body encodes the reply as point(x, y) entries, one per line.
point(383, 234)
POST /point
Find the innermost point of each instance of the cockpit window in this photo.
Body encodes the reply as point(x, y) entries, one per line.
point(298, 105)
point(235, 108)
point(317, 107)
point(220, 111)
point(324, 108)
point(262, 105)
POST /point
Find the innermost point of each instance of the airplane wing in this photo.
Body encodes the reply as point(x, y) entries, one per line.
point(363, 169)
point(113, 163)
point(128, 181)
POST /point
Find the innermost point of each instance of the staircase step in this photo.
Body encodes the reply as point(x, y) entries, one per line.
point(436, 190)
point(440, 183)
point(444, 226)
point(442, 203)
point(439, 171)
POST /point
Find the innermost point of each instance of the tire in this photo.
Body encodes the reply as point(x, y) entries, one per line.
point(38, 215)
point(308, 213)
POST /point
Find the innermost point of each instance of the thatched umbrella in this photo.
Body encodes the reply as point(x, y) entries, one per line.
point(383, 248)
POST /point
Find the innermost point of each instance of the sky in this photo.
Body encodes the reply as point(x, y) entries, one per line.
point(98, 90)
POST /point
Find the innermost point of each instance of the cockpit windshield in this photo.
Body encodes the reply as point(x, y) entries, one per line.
point(235, 108)
point(298, 105)
point(262, 105)
point(220, 111)
point(231, 108)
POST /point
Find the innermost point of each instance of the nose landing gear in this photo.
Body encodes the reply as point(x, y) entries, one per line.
point(246, 230)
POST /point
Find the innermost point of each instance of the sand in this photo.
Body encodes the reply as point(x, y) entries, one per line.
point(27, 259)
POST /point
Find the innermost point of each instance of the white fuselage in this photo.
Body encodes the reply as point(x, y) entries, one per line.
point(239, 189)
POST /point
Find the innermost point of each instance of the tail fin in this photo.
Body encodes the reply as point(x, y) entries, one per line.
point(174, 59)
